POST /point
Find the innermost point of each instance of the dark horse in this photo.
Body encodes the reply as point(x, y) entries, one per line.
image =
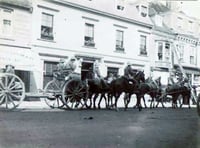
point(128, 86)
point(152, 88)
point(175, 91)
point(97, 86)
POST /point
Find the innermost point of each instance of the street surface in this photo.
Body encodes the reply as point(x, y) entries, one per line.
point(53, 128)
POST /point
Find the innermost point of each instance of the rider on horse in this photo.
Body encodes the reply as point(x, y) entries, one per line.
point(97, 76)
point(128, 71)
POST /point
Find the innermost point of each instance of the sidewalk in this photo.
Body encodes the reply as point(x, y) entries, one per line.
point(41, 104)
point(34, 105)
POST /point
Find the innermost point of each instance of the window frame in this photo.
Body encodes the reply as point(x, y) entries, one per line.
point(143, 48)
point(46, 32)
point(120, 40)
point(113, 70)
point(6, 15)
point(89, 35)
point(144, 11)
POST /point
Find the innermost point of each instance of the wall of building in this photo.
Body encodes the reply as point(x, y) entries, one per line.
point(15, 41)
point(69, 31)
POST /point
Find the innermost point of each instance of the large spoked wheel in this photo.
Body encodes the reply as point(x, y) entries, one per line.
point(74, 94)
point(12, 91)
point(198, 104)
point(53, 90)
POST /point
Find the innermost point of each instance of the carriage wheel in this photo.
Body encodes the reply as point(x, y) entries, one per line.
point(54, 92)
point(12, 91)
point(74, 94)
point(198, 104)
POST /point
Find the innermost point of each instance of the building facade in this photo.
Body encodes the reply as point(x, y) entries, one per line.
point(15, 39)
point(174, 28)
point(36, 34)
point(113, 32)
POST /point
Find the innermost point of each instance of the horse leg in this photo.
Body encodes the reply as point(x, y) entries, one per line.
point(144, 102)
point(126, 100)
point(139, 102)
point(108, 101)
point(116, 100)
point(151, 103)
point(189, 102)
point(109, 97)
point(94, 100)
point(99, 103)
point(90, 101)
point(102, 96)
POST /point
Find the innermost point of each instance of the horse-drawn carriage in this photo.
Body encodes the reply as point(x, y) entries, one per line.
point(58, 93)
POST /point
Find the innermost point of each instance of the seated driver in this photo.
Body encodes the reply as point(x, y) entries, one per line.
point(71, 66)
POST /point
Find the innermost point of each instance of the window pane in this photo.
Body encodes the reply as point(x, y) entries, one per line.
point(160, 51)
point(89, 30)
point(89, 35)
point(47, 26)
point(6, 26)
point(143, 45)
point(47, 20)
point(119, 39)
point(113, 70)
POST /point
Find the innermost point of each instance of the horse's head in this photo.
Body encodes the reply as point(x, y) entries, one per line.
point(140, 76)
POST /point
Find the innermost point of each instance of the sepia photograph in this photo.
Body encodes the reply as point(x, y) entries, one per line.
point(99, 73)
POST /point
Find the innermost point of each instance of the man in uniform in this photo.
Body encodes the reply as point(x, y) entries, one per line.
point(128, 71)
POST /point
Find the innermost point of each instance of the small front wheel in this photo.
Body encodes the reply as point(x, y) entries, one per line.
point(54, 92)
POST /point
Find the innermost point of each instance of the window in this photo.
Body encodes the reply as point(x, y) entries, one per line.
point(113, 70)
point(49, 67)
point(167, 51)
point(89, 35)
point(180, 49)
point(190, 27)
point(143, 50)
point(119, 40)
point(192, 55)
point(6, 22)
point(144, 11)
point(192, 60)
point(179, 22)
point(6, 26)
point(120, 5)
point(196, 78)
point(47, 26)
point(160, 51)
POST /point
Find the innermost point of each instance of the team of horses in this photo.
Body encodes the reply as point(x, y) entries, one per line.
point(136, 85)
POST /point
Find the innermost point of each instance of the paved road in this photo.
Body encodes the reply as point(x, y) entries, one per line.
point(150, 128)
